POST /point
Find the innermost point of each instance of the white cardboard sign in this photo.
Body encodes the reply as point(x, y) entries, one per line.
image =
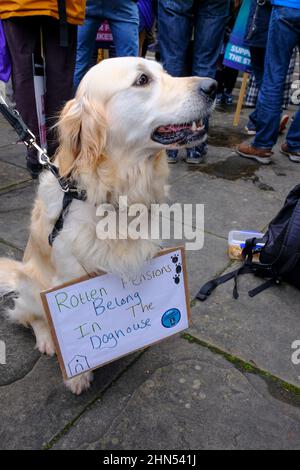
point(95, 320)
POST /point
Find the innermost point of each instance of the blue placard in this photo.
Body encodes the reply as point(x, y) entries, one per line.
point(237, 55)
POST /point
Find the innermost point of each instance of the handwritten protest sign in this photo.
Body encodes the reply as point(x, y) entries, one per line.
point(95, 320)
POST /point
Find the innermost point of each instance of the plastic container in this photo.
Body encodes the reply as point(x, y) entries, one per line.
point(237, 241)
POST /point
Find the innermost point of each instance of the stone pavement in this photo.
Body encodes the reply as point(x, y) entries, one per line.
point(227, 383)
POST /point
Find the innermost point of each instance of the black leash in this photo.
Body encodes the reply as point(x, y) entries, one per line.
point(66, 184)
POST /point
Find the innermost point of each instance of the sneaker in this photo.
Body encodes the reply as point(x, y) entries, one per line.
point(228, 98)
point(293, 155)
point(250, 128)
point(263, 156)
point(220, 99)
point(283, 123)
point(172, 156)
point(196, 155)
point(34, 169)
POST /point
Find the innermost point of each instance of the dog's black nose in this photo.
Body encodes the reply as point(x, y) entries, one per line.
point(208, 86)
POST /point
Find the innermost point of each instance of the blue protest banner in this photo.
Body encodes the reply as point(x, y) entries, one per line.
point(237, 55)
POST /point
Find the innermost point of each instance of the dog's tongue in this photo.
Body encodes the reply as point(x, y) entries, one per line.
point(172, 128)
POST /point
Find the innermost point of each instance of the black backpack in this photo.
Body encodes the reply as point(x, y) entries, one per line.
point(279, 258)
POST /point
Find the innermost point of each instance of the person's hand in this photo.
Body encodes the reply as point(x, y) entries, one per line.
point(237, 3)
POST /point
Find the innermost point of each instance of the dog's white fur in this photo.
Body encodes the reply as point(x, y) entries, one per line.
point(105, 144)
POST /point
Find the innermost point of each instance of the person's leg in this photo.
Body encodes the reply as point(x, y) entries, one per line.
point(210, 24)
point(211, 16)
point(175, 23)
point(126, 38)
point(220, 79)
point(142, 40)
point(22, 35)
point(257, 62)
point(293, 136)
point(60, 64)
point(258, 55)
point(284, 33)
point(124, 24)
point(289, 81)
point(85, 47)
point(230, 78)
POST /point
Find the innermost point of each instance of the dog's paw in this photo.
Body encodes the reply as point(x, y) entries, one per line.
point(45, 344)
point(79, 384)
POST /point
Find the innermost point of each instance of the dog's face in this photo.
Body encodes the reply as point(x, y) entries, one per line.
point(132, 104)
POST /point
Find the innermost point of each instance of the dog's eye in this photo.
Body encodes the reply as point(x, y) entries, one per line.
point(142, 80)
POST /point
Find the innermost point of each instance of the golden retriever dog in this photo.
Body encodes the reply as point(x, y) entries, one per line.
point(112, 136)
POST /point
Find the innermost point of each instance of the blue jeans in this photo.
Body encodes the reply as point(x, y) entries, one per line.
point(258, 55)
point(176, 19)
point(124, 23)
point(284, 35)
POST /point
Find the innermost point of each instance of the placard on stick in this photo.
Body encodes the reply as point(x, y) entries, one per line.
point(98, 319)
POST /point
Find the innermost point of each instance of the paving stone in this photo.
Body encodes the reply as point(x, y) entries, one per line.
point(229, 205)
point(7, 134)
point(282, 176)
point(180, 396)
point(14, 154)
point(177, 395)
point(38, 406)
point(15, 209)
point(11, 175)
point(20, 353)
point(181, 168)
point(259, 330)
point(10, 252)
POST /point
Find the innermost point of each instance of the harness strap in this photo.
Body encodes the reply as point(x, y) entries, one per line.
point(266, 285)
point(210, 286)
point(73, 193)
point(247, 268)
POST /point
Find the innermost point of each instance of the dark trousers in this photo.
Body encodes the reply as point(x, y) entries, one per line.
point(23, 39)
point(226, 78)
point(258, 55)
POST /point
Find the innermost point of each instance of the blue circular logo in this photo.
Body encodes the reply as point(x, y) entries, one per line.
point(171, 318)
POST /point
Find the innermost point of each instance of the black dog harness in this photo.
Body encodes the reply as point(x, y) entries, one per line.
point(67, 185)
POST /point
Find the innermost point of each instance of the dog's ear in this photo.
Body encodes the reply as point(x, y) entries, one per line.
point(82, 135)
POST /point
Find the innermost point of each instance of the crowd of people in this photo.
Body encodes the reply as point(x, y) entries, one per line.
point(192, 36)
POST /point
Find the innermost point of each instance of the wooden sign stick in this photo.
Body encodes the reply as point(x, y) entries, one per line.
point(239, 106)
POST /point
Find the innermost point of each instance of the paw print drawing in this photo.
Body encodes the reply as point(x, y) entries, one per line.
point(174, 259)
point(178, 268)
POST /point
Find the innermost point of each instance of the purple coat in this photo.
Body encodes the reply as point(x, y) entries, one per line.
point(5, 63)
